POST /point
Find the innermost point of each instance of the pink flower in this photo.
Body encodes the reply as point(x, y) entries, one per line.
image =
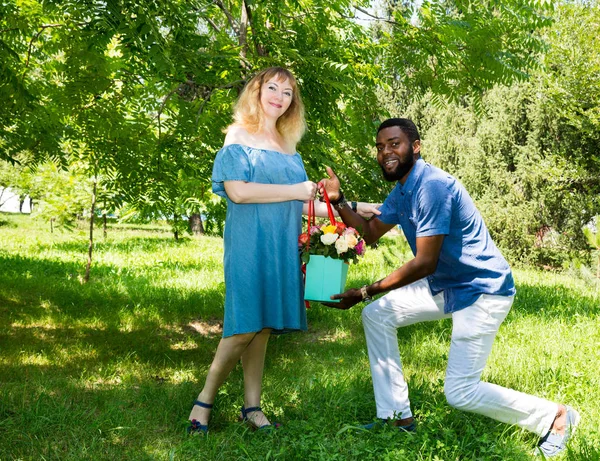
point(314, 230)
point(350, 230)
point(360, 248)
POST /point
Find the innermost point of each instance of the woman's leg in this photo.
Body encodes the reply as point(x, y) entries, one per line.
point(253, 363)
point(228, 353)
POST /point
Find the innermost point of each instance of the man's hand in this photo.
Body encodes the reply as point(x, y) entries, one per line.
point(349, 298)
point(331, 185)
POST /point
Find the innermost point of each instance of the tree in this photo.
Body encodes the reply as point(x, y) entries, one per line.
point(593, 238)
point(138, 92)
point(518, 151)
point(61, 196)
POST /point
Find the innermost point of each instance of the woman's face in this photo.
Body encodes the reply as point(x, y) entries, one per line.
point(275, 97)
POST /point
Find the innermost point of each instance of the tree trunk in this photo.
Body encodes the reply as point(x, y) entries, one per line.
point(91, 246)
point(30, 205)
point(104, 228)
point(243, 38)
point(21, 202)
point(52, 225)
point(196, 224)
point(175, 229)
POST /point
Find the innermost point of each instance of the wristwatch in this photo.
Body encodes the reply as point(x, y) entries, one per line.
point(365, 295)
point(340, 202)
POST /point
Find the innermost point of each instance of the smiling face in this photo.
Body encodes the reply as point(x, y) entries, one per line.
point(275, 97)
point(396, 155)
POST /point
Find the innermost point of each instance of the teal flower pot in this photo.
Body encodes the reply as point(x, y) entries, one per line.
point(324, 277)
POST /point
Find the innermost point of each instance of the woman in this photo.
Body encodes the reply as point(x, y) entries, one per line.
point(263, 179)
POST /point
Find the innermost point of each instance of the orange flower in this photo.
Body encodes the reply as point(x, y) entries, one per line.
point(303, 239)
point(341, 227)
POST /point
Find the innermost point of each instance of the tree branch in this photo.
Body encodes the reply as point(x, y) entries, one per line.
point(376, 18)
point(230, 17)
point(212, 24)
point(162, 106)
point(210, 93)
point(35, 37)
point(243, 35)
point(260, 49)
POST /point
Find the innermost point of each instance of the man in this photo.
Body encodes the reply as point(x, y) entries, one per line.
point(456, 272)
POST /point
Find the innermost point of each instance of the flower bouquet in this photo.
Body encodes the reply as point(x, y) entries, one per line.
point(335, 241)
point(327, 251)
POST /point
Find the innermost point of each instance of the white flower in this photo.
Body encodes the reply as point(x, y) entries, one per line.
point(328, 239)
point(341, 245)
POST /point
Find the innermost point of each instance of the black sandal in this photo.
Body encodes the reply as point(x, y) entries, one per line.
point(254, 426)
point(195, 427)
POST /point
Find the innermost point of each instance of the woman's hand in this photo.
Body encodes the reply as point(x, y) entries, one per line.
point(307, 190)
point(368, 210)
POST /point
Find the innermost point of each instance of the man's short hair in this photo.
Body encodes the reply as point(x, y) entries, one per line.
point(406, 125)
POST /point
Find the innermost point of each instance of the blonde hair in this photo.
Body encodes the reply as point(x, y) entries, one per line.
point(248, 111)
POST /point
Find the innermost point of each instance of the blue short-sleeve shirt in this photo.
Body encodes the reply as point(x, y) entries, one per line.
point(432, 202)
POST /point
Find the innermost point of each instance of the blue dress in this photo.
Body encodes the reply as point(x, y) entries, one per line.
point(263, 281)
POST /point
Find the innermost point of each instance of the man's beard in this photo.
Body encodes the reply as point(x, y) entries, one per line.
point(401, 169)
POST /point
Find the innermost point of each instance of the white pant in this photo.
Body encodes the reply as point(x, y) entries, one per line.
point(473, 331)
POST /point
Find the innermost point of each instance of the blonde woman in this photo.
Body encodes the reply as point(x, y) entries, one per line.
point(263, 179)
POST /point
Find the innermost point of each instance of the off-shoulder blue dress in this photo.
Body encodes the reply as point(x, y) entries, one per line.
point(263, 281)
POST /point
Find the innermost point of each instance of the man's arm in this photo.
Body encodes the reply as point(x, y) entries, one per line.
point(370, 230)
point(423, 264)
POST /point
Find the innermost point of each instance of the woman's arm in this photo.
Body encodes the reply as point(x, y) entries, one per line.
point(251, 192)
point(366, 210)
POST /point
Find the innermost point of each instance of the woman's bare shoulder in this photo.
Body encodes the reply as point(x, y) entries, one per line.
point(237, 134)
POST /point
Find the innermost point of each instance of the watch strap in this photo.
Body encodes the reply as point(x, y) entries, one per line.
point(365, 295)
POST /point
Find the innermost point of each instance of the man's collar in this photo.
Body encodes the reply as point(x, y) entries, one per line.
point(413, 176)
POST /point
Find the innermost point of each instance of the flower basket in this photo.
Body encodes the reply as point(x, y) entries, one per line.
point(325, 276)
point(326, 251)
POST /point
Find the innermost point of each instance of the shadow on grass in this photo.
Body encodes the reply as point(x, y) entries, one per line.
point(150, 243)
point(33, 290)
point(72, 351)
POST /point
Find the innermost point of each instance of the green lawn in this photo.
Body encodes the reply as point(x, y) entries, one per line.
point(109, 369)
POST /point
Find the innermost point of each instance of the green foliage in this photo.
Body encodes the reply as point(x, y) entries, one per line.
point(62, 197)
point(593, 238)
point(139, 91)
point(456, 48)
point(518, 152)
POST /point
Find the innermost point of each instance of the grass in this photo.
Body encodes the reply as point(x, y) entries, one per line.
point(108, 369)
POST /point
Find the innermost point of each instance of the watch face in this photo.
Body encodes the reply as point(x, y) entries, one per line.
point(363, 292)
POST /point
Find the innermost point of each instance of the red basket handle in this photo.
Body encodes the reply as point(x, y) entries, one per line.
point(328, 203)
point(311, 211)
